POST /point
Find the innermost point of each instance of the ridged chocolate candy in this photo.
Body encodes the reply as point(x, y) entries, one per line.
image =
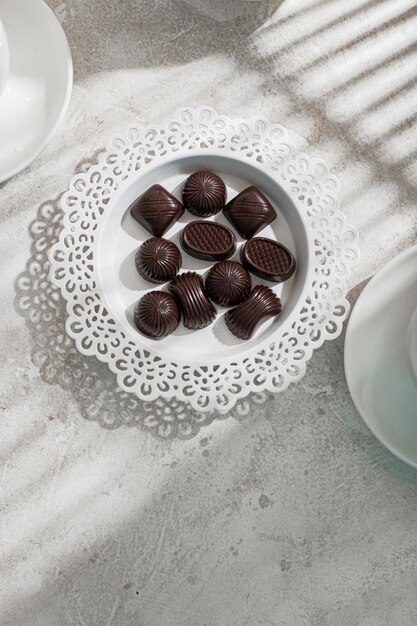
point(197, 310)
point(157, 314)
point(158, 260)
point(204, 193)
point(244, 318)
point(156, 210)
point(208, 241)
point(249, 212)
point(228, 283)
point(268, 259)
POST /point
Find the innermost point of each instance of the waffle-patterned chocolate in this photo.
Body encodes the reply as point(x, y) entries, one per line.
point(208, 241)
point(268, 259)
point(244, 318)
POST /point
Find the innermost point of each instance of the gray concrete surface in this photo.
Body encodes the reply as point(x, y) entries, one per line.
point(289, 512)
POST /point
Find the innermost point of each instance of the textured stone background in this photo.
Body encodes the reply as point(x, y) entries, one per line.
point(289, 512)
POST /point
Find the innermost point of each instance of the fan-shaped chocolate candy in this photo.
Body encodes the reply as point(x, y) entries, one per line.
point(228, 283)
point(268, 259)
point(208, 241)
point(204, 193)
point(156, 210)
point(156, 314)
point(244, 318)
point(197, 310)
point(249, 212)
point(158, 260)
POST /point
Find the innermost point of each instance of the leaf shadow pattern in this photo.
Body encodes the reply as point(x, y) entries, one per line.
point(92, 384)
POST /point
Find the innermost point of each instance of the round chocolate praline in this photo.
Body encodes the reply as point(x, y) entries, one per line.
point(204, 193)
point(158, 260)
point(228, 283)
point(156, 314)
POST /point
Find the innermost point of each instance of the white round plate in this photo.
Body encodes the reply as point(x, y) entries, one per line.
point(93, 262)
point(38, 88)
point(377, 356)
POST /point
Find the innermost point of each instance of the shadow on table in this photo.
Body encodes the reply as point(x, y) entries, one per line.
point(170, 33)
point(211, 516)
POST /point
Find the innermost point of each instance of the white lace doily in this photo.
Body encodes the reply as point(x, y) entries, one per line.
point(273, 362)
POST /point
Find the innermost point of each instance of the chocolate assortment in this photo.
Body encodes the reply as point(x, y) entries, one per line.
point(156, 314)
point(268, 259)
point(208, 241)
point(156, 210)
point(228, 283)
point(158, 260)
point(249, 212)
point(197, 310)
point(243, 319)
point(204, 194)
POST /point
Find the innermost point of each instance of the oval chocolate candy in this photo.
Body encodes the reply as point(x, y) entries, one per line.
point(244, 318)
point(268, 259)
point(197, 310)
point(208, 241)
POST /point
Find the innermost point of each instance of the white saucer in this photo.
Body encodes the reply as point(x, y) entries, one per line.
point(38, 88)
point(378, 362)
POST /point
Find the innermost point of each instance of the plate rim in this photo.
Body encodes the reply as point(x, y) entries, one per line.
point(383, 271)
point(65, 102)
point(308, 232)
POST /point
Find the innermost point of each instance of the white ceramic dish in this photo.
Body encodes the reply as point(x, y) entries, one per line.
point(379, 351)
point(93, 263)
point(38, 86)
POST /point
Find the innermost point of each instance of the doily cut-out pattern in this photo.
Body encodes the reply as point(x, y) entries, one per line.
point(205, 386)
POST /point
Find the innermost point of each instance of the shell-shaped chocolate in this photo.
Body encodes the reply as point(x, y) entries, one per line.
point(249, 212)
point(158, 260)
point(197, 310)
point(244, 318)
point(208, 241)
point(157, 314)
point(228, 283)
point(268, 259)
point(204, 193)
point(156, 210)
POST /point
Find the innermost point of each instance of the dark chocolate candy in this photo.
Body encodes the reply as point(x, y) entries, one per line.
point(244, 318)
point(268, 259)
point(249, 212)
point(156, 210)
point(157, 314)
point(204, 193)
point(197, 310)
point(228, 283)
point(158, 260)
point(208, 241)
